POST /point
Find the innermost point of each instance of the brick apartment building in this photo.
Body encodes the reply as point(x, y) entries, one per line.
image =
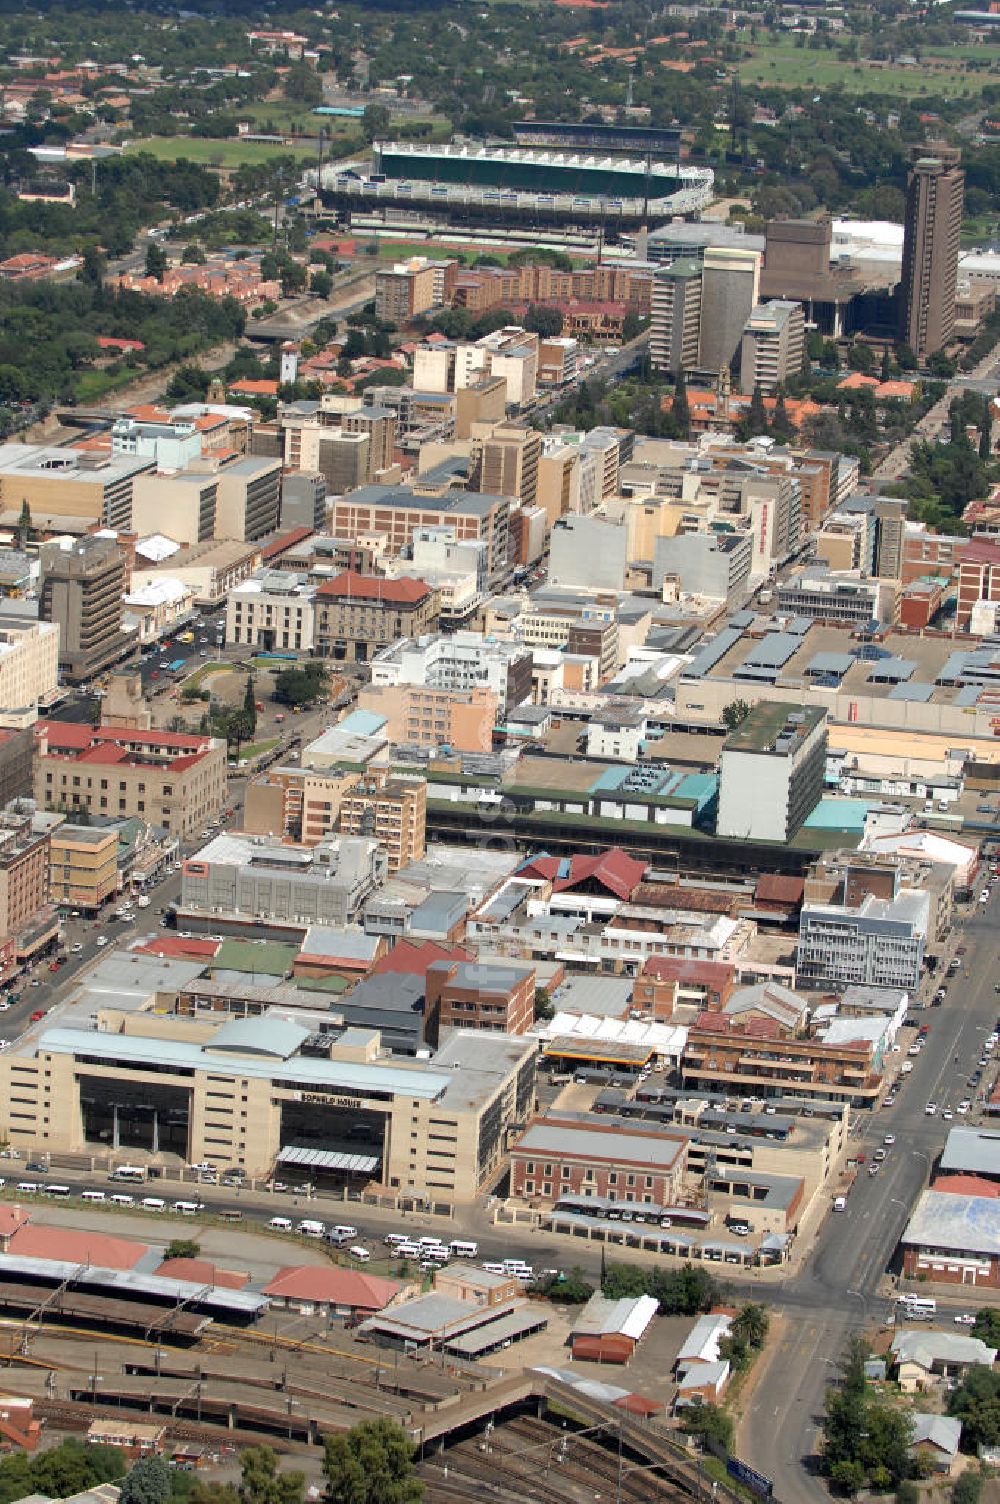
point(479, 995)
point(27, 921)
point(759, 1057)
point(395, 512)
point(165, 777)
point(391, 809)
point(557, 1158)
point(357, 614)
point(978, 576)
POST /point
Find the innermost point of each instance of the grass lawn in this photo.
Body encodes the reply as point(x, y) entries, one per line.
point(231, 153)
point(779, 61)
point(199, 676)
point(250, 750)
point(91, 385)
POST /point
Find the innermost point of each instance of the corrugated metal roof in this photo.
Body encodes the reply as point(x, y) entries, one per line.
point(891, 671)
point(329, 1159)
point(917, 692)
point(128, 1281)
point(708, 656)
point(773, 651)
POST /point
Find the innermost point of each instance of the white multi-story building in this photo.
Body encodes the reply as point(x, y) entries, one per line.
point(272, 611)
point(878, 944)
point(771, 772)
point(29, 663)
point(459, 661)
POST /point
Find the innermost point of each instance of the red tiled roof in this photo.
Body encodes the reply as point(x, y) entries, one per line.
point(687, 969)
point(75, 1246)
point(342, 1287)
point(174, 948)
point(73, 736)
point(108, 342)
point(980, 551)
point(284, 542)
point(369, 587)
point(260, 388)
point(202, 1272)
point(722, 1023)
point(614, 869)
point(413, 957)
point(967, 1185)
point(11, 1218)
point(773, 887)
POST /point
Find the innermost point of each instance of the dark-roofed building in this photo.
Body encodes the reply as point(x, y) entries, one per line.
point(666, 982)
point(391, 1002)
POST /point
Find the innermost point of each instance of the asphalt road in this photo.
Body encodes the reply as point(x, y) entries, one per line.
point(838, 1290)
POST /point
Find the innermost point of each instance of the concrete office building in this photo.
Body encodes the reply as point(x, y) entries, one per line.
point(254, 1093)
point(771, 772)
point(588, 552)
point(828, 597)
point(303, 500)
point(508, 462)
point(16, 762)
point(935, 194)
point(682, 239)
point(797, 265)
point(772, 346)
point(29, 671)
point(257, 880)
point(730, 290)
point(879, 943)
point(379, 424)
point(715, 565)
point(82, 584)
point(418, 716)
point(164, 777)
point(83, 865)
point(675, 328)
point(65, 486)
point(183, 506)
point(459, 662)
point(396, 512)
point(272, 611)
point(249, 498)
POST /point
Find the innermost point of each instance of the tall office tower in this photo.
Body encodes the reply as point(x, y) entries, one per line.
point(934, 195)
point(730, 290)
point(675, 328)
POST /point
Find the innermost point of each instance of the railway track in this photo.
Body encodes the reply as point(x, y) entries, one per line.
point(533, 1459)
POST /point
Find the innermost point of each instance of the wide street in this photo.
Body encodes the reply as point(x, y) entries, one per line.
point(837, 1291)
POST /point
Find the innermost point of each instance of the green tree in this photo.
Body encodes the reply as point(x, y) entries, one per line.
point(193, 255)
point(735, 713)
point(24, 525)
point(987, 1326)
point(149, 1482)
point(544, 1006)
point(375, 122)
point(544, 321)
point(710, 1424)
point(371, 1464)
point(183, 1248)
point(886, 364)
point(756, 419)
point(967, 1489)
point(321, 284)
point(250, 705)
point(261, 1482)
point(861, 358)
point(976, 1402)
point(680, 409)
point(95, 266)
point(986, 431)
point(156, 261)
point(302, 684)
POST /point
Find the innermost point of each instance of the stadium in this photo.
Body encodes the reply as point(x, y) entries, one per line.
point(470, 183)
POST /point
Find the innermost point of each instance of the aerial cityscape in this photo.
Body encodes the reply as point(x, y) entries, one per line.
point(499, 752)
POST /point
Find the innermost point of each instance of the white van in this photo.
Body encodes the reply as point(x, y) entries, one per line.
point(93, 1196)
point(344, 1230)
point(153, 1204)
point(514, 1266)
point(460, 1250)
point(409, 1250)
point(394, 1239)
point(312, 1229)
point(361, 1254)
point(27, 1188)
point(122, 1200)
point(280, 1224)
point(840, 1203)
point(128, 1172)
point(493, 1268)
point(188, 1208)
point(917, 1306)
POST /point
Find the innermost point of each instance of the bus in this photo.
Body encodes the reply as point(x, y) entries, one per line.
point(135, 1173)
point(58, 1191)
point(918, 1306)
